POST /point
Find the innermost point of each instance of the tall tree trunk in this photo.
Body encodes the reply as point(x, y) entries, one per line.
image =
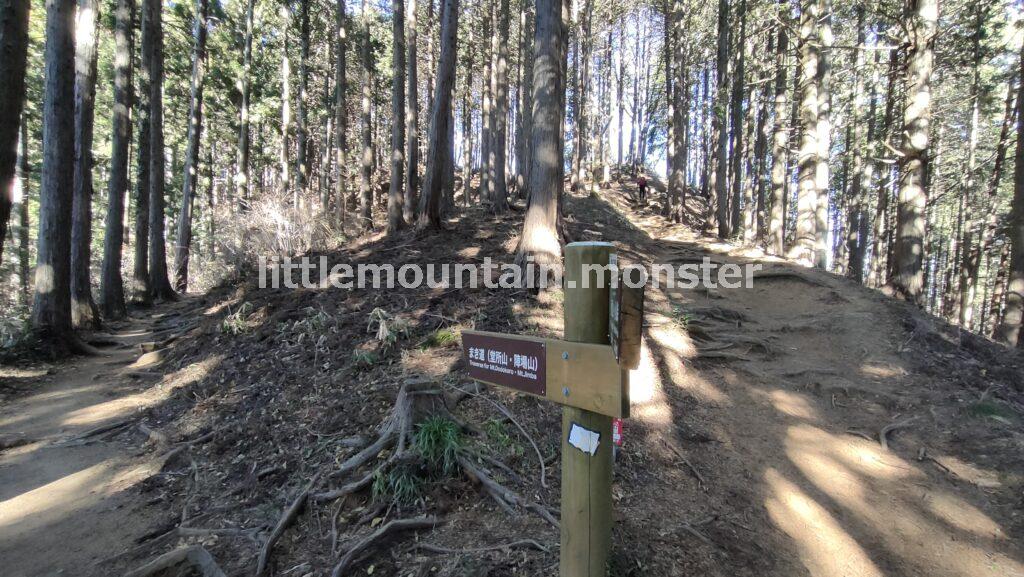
point(51, 310)
point(84, 313)
point(301, 113)
point(804, 245)
point(680, 112)
point(907, 282)
point(486, 101)
point(858, 221)
point(195, 137)
point(720, 125)
point(1009, 329)
point(823, 177)
point(970, 258)
point(21, 199)
point(142, 292)
point(671, 42)
point(396, 200)
point(998, 298)
point(880, 230)
point(581, 95)
point(738, 94)
point(340, 115)
point(761, 154)
point(158, 279)
point(439, 151)
point(412, 122)
point(540, 240)
point(242, 179)
point(366, 158)
point(524, 151)
point(780, 138)
point(111, 284)
point(499, 125)
point(467, 123)
point(620, 94)
point(14, 23)
point(988, 232)
point(286, 103)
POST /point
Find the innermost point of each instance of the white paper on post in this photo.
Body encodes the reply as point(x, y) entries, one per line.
point(584, 439)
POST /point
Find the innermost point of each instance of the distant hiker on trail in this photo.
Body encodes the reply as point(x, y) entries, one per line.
point(641, 183)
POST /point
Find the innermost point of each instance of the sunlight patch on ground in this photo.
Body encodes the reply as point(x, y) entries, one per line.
point(882, 493)
point(962, 515)
point(792, 404)
point(671, 348)
point(826, 549)
point(100, 412)
point(54, 501)
point(882, 371)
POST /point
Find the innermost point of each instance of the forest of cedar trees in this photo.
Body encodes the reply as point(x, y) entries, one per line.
point(857, 411)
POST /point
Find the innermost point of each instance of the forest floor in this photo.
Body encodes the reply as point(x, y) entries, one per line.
point(807, 426)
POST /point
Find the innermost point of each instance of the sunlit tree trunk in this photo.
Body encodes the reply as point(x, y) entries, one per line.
point(908, 278)
point(84, 313)
point(803, 248)
point(540, 239)
point(111, 284)
point(51, 309)
point(439, 151)
point(195, 135)
point(14, 24)
point(620, 92)
point(823, 176)
point(242, 177)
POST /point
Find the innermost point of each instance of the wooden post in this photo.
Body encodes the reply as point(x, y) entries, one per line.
point(586, 479)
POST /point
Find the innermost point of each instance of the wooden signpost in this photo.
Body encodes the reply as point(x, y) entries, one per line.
point(590, 378)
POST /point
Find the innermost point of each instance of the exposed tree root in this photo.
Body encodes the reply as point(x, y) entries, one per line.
point(287, 518)
point(721, 356)
point(883, 435)
point(520, 544)
point(721, 314)
point(85, 437)
point(502, 495)
point(395, 526)
point(196, 557)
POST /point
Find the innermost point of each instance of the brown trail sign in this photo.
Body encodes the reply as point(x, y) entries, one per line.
point(588, 374)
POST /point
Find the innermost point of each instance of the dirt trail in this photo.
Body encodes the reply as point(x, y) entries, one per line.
point(65, 498)
point(773, 400)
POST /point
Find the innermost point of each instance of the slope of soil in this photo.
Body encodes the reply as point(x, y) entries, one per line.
point(754, 447)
